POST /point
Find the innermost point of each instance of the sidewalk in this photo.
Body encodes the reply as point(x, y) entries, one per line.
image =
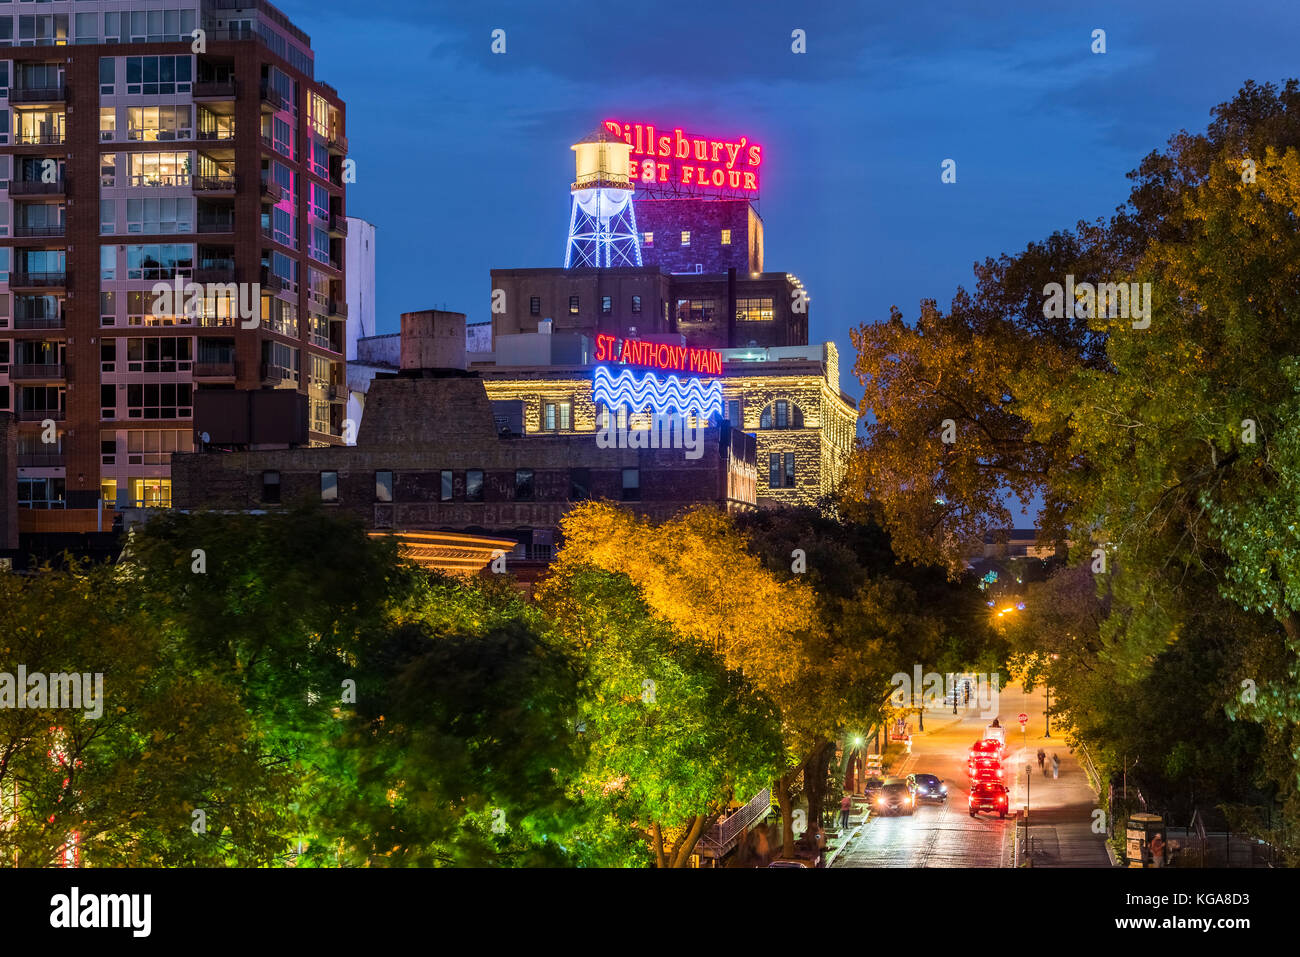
point(1060, 810)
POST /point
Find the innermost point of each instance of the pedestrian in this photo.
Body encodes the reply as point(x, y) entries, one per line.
point(846, 806)
point(1056, 766)
point(908, 741)
point(1157, 851)
point(1042, 756)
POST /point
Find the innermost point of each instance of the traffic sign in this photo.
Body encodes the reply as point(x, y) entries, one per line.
point(1023, 717)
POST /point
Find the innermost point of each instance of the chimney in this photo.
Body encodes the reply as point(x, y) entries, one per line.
point(433, 339)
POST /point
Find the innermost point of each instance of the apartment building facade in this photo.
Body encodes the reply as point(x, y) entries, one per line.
point(147, 145)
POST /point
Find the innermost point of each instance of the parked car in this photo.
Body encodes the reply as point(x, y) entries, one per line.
point(895, 797)
point(871, 787)
point(928, 787)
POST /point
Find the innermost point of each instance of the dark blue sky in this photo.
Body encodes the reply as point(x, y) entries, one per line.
point(463, 157)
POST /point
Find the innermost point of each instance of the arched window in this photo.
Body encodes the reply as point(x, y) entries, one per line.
point(781, 414)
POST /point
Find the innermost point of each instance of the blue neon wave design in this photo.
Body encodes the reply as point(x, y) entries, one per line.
point(704, 399)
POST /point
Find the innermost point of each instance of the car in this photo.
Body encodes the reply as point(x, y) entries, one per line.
point(787, 863)
point(986, 771)
point(988, 748)
point(989, 796)
point(928, 787)
point(871, 787)
point(895, 797)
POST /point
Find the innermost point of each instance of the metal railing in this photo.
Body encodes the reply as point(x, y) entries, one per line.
point(23, 230)
point(29, 187)
point(36, 370)
point(215, 184)
point(726, 833)
point(40, 460)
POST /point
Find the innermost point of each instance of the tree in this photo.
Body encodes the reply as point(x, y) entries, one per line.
point(673, 735)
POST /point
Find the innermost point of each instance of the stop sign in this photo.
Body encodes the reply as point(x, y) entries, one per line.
point(1023, 717)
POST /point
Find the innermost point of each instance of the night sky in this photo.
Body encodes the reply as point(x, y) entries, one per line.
point(463, 159)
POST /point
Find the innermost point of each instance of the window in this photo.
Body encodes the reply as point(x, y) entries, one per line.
point(152, 75)
point(43, 30)
point(734, 415)
point(686, 238)
point(107, 217)
point(534, 305)
point(108, 492)
point(754, 310)
point(42, 493)
point(726, 237)
point(557, 416)
point(158, 261)
point(155, 123)
point(606, 304)
point(150, 492)
point(107, 75)
point(383, 486)
point(781, 414)
point(108, 169)
point(107, 123)
point(696, 310)
point(647, 239)
point(329, 486)
point(780, 470)
point(636, 304)
point(160, 215)
point(160, 400)
point(271, 488)
point(573, 305)
point(474, 485)
point(448, 485)
point(524, 485)
point(579, 485)
point(631, 485)
point(159, 169)
point(107, 262)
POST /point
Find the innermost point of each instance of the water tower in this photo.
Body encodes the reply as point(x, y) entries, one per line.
point(602, 227)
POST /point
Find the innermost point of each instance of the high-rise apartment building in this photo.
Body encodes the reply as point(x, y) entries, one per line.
point(175, 142)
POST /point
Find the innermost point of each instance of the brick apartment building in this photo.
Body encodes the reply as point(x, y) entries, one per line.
point(431, 455)
point(133, 153)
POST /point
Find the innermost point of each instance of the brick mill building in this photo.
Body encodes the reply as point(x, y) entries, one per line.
point(134, 154)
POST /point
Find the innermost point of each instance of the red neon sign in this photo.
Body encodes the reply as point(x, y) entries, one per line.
point(661, 158)
point(658, 355)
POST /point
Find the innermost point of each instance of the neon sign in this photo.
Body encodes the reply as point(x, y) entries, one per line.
point(661, 395)
point(682, 160)
point(658, 355)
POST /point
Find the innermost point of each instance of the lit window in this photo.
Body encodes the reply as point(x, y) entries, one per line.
point(636, 304)
point(647, 239)
point(557, 416)
point(686, 237)
point(606, 304)
point(573, 305)
point(726, 237)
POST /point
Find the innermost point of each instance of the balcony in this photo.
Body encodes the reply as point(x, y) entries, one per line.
point(40, 415)
point(39, 95)
point(216, 184)
point(275, 374)
point(39, 372)
point(216, 224)
point(271, 193)
point(38, 322)
point(270, 282)
point(338, 145)
point(40, 460)
point(216, 271)
point(37, 280)
point(215, 89)
point(22, 231)
point(226, 134)
point(272, 102)
point(29, 187)
point(339, 393)
point(39, 139)
point(338, 308)
point(338, 226)
point(222, 369)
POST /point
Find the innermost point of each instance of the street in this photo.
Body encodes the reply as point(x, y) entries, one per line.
point(947, 836)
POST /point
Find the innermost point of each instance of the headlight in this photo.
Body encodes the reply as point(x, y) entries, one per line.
point(907, 800)
point(880, 801)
